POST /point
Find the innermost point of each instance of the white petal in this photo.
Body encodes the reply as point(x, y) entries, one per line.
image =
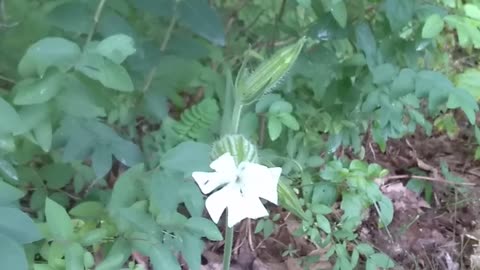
point(260, 181)
point(208, 181)
point(241, 207)
point(224, 164)
point(218, 201)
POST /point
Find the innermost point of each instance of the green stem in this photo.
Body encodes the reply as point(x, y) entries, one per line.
point(227, 250)
point(237, 113)
point(96, 19)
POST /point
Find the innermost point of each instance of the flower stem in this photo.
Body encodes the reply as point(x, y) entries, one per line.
point(227, 250)
point(237, 113)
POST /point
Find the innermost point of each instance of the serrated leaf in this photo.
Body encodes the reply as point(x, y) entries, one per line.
point(274, 127)
point(47, 52)
point(204, 228)
point(433, 26)
point(12, 254)
point(18, 226)
point(105, 71)
point(58, 221)
point(116, 48)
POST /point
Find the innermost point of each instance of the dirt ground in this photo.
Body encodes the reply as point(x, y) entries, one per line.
point(430, 230)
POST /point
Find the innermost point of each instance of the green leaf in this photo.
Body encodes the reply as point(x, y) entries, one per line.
point(187, 157)
point(70, 16)
point(204, 228)
point(161, 257)
point(7, 169)
point(324, 223)
point(386, 211)
point(58, 221)
point(126, 188)
point(74, 257)
point(399, 13)
point(57, 175)
point(404, 83)
point(116, 48)
point(105, 71)
point(339, 12)
point(289, 121)
point(90, 209)
point(433, 26)
point(352, 205)
point(470, 81)
point(48, 52)
point(472, 11)
point(192, 248)
point(274, 127)
point(117, 256)
point(365, 249)
point(9, 119)
point(101, 160)
point(202, 19)
point(39, 91)
point(18, 226)
point(384, 73)
point(280, 106)
point(127, 152)
point(43, 135)
point(382, 260)
point(12, 254)
point(9, 194)
point(462, 99)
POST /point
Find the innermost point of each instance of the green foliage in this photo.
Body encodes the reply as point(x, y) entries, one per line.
point(106, 110)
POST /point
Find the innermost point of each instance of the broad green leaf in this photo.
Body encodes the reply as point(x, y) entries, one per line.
point(57, 175)
point(470, 81)
point(367, 43)
point(9, 194)
point(126, 188)
point(323, 223)
point(38, 91)
point(101, 160)
point(386, 211)
point(43, 135)
point(382, 260)
point(7, 169)
point(74, 257)
point(289, 121)
point(460, 98)
point(192, 247)
point(399, 13)
point(70, 16)
point(34, 115)
point(161, 257)
point(59, 223)
point(9, 119)
point(365, 249)
point(107, 72)
point(404, 83)
point(90, 209)
point(12, 254)
point(7, 143)
point(384, 73)
point(94, 237)
point(339, 12)
point(472, 11)
point(18, 226)
point(274, 127)
point(433, 26)
point(164, 192)
point(204, 228)
point(116, 48)
point(290, 200)
point(352, 205)
point(187, 157)
point(117, 256)
point(127, 152)
point(48, 52)
point(280, 106)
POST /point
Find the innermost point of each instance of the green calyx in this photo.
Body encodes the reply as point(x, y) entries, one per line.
point(250, 87)
point(238, 146)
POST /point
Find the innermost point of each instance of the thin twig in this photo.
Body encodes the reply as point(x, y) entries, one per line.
point(163, 47)
point(96, 19)
point(426, 178)
point(6, 79)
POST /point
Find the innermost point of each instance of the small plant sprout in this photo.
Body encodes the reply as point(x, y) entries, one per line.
point(241, 188)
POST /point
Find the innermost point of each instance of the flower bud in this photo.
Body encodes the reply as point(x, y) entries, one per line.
point(238, 146)
point(268, 74)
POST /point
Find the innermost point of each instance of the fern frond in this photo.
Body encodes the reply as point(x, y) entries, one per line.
point(197, 121)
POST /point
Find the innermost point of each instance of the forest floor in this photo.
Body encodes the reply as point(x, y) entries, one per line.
point(430, 230)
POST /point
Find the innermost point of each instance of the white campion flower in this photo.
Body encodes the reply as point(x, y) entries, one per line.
point(241, 188)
